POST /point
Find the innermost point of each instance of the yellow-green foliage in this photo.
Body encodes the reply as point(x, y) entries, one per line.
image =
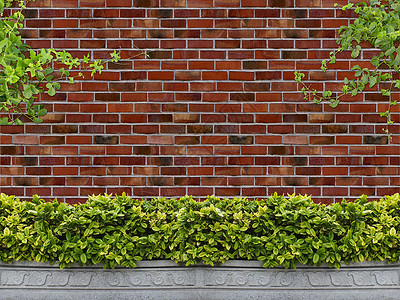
point(278, 230)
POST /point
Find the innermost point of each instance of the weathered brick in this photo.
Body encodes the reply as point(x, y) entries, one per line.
point(26, 161)
point(376, 140)
point(334, 129)
point(242, 140)
point(65, 128)
point(108, 140)
point(281, 3)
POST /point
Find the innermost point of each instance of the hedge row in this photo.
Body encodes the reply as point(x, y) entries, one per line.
point(278, 230)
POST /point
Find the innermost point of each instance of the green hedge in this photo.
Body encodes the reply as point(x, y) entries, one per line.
point(278, 231)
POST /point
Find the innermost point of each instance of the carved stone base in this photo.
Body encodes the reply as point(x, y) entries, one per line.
point(163, 280)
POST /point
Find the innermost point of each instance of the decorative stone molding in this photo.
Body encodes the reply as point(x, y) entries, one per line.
point(167, 280)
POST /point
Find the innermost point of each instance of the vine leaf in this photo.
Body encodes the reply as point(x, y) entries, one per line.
point(377, 25)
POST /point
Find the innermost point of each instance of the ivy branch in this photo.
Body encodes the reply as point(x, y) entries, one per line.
point(24, 73)
point(377, 25)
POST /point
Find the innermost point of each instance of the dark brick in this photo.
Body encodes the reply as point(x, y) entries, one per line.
point(108, 140)
point(281, 3)
point(25, 181)
point(294, 54)
point(8, 150)
point(295, 161)
point(295, 33)
point(242, 97)
point(375, 139)
point(161, 13)
point(280, 150)
point(30, 161)
point(160, 118)
point(158, 34)
point(319, 33)
point(251, 65)
point(294, 181)
point(226, 129)
point(309, 23)
point(52, 181)
point(161, 161)
point(160, 54)
point(322, 140)
point(30, 13)
point(334, 128)
point(142, 150)
point(52, 33)
point(241, 140)
point(295, 13)
point(121, 65)
point(108, 96)
point(160, 181)
point(294, 118)
point(65, 128)
point(144, 3)
point(187, 140)
point(119, 87)
point(199, 129)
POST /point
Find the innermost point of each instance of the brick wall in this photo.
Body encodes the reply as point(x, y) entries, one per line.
point(214, 110)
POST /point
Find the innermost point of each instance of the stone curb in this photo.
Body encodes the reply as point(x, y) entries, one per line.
point(167, 280)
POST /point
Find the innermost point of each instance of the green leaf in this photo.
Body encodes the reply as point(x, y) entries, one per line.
point(355, 53)
point(375, 60)
point(396, 61)
point(3, 43)
point(37, 120)
point(83, 258)
point(51, 91)
point(334, 103)
point(372, 81)
point(4, 121)
point(327, 94)
point(18, 122)
point(42, 112)
point(27, 92)
point(315, 258)
point(6, 231)
point(390, 51)
point(86, 58)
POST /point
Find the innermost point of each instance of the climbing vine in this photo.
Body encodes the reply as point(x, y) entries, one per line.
point(377, 26)
point(25, 73)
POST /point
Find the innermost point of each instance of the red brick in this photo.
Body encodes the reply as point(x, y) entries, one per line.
point(348, 140)
point(280, 170)
point(26, 140)
point(65, 3)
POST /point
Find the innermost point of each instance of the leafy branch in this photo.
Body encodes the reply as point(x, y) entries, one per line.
point(377, 25)
point(24, 73)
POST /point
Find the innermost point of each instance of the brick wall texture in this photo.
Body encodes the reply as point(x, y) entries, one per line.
point(214, 109)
